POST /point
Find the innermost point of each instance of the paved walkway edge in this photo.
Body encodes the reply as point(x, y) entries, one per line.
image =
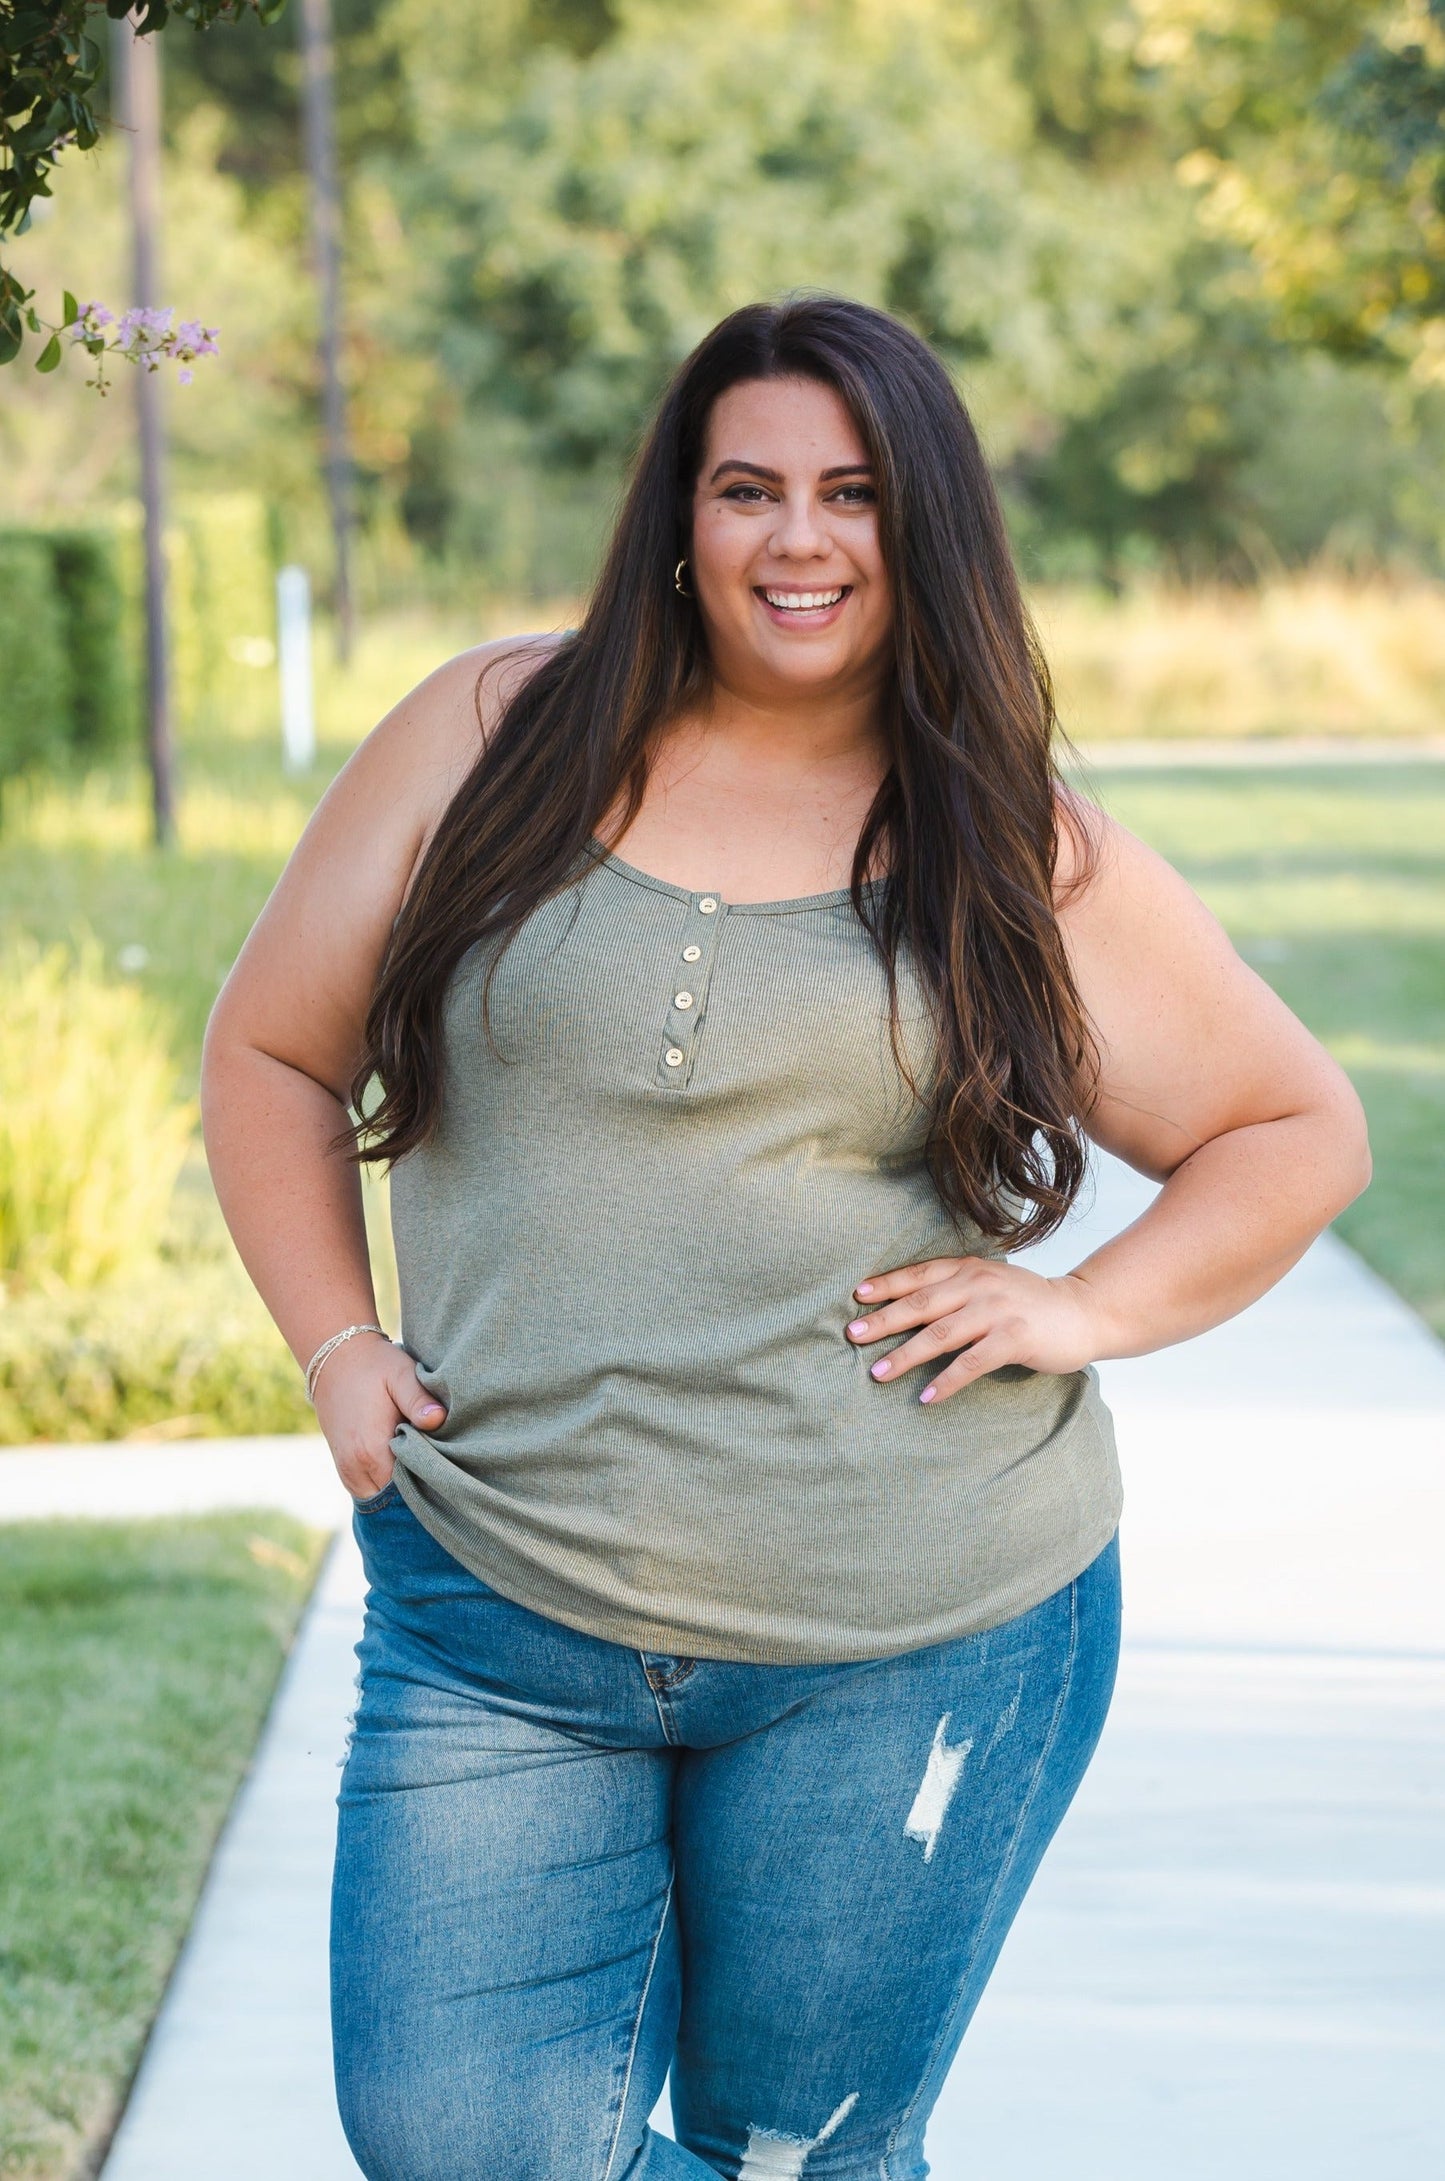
point(236, 2081)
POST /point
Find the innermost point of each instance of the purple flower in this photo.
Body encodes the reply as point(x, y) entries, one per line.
point(193, 339)
point(141, 333)
point(148, 337)
point(90, 320)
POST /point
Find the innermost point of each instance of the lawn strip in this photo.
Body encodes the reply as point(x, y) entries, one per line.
point(1331, 881)
point(137, 1662)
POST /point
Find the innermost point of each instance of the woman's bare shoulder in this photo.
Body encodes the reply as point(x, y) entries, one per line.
point(1107, 880)
point(305, 976)
point(428, 742)
point(1085, 838)
point(394, 789)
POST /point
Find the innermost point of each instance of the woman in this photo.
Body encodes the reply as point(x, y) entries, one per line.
point(740, 984)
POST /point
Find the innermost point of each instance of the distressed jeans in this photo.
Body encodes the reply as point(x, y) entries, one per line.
point(565, 1867)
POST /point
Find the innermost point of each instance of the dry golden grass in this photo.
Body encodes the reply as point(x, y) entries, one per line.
point(1313, 654)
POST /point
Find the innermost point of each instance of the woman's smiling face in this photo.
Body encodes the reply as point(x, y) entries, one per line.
point(785, 558)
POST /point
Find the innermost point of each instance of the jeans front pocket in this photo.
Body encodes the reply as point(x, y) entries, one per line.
point(377, 1501)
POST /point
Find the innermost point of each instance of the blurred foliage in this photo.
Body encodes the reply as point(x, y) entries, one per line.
point(71, 627)
point(1320, 151)
point(1015, 181)
point(64, 450)
point(90, 1349)
point(63, 667)
point(220, 600)
point(189, 1351)
point(87, 576)
point(92, 1138)
point(51, 58)
point(34, 669)
point(1183, 255)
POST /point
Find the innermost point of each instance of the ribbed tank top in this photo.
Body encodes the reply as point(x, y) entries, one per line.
point(626, 1264)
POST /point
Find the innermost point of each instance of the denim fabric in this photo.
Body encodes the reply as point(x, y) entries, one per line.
point(564, 1866)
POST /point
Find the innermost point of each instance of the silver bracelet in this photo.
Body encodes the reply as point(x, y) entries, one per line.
point(318, 1362)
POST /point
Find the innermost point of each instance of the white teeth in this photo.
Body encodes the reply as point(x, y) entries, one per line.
point(802, 601)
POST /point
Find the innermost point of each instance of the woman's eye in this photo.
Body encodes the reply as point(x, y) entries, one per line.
point(749, 493)
point(856, 495)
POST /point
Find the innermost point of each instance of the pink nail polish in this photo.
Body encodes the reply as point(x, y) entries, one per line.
point(929, 1393)
point(859, 1325)
point(879, 1370)
point(864, 1287)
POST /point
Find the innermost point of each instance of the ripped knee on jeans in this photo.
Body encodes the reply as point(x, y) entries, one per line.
point(773, 2157)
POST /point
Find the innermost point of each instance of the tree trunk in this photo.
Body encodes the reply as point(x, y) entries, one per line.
point(320, 117)
point(138, 102)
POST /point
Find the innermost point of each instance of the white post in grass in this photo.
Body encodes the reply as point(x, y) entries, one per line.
point(293, 626)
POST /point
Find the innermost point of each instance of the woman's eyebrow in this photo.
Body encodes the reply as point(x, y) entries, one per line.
point(774, 477)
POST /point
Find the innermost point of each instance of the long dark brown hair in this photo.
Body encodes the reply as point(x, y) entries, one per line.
point(965, 822)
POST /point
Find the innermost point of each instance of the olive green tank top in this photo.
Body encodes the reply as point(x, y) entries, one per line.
point(626, 1267)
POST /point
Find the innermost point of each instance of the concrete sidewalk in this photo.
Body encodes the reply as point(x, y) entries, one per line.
point(1231, 1967)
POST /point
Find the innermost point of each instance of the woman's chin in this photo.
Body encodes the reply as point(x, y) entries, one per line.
point(795, 660)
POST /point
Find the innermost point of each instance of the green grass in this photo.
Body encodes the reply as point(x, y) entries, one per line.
point(137, 1661)
point(1331, 881)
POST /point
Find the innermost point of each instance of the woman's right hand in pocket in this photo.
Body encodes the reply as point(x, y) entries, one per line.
point(366, 1389)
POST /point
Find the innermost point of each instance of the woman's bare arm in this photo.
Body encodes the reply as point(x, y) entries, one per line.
point(285, 1037)
point(1206, 1082)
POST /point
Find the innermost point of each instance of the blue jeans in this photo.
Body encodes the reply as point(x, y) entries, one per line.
point(564, 1867)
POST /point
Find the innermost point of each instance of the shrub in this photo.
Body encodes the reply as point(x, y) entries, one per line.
point(92, 1135)
point(220, 605)
point(87, 577)
point(63, 678)
point(180, 1351)
point(35, 674)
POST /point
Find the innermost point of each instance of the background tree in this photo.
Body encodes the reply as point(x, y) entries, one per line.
point(1016, 180)
point(1322, 152)
point(1180, 253)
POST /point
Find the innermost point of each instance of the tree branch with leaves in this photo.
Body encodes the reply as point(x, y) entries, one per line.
point(52, 58)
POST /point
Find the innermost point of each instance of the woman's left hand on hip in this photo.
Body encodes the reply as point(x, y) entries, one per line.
point(981, 1311)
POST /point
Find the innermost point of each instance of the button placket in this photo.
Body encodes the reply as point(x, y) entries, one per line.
point(688, 975)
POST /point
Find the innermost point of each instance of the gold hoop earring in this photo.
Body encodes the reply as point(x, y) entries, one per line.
point(677, 581)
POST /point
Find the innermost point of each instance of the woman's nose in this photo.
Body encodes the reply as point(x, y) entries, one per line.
point(799, 531)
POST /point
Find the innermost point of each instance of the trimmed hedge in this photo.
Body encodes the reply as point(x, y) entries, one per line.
point(72, 620)
point(220, 608)
point(63, 677)
point(87, 576)
point(35, 675)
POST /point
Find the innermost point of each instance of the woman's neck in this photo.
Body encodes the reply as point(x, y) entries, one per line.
point(758, 801)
